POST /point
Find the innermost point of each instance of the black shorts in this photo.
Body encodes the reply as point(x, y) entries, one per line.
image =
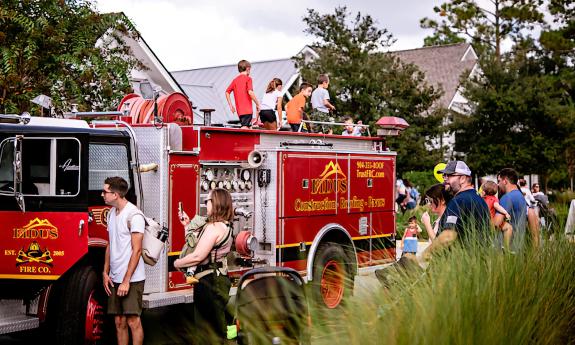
point(295, 128)
point(267, 115)
point(246, 120)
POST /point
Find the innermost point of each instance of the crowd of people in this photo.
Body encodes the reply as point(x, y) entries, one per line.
point(269, 111)
point(463, 213)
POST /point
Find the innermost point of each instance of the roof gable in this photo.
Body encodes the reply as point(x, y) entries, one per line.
point(442, 65)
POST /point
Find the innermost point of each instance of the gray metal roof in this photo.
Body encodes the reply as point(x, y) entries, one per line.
point(206, 87)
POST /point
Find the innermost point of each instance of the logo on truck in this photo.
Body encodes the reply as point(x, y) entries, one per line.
point(36, 229)
point(34, 254)
point(331, 180)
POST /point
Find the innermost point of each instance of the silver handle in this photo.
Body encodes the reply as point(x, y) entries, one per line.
point(80, 227)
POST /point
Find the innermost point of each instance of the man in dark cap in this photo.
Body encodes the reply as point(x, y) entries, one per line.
point(467, 215)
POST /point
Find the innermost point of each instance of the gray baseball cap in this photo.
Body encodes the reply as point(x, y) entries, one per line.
point(456, 167)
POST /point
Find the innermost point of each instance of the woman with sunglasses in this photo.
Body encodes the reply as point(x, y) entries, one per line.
point(211, 293)
point(437, 198)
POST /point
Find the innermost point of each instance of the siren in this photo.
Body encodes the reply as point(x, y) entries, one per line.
point(391, 126)
point(256, 159)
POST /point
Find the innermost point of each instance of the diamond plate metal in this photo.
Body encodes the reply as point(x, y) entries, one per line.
point(105, 161)
point(152, 148)
point(18, 323)
point(163, 299)
point(270, 211)
point(13, 317)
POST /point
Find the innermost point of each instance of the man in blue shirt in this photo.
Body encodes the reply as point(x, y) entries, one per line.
point(467, 216)
point(514, 203)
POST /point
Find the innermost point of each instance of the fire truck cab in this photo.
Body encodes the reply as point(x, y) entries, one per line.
point(321, 204)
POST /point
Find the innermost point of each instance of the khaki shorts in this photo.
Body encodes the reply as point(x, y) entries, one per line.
point(131, 304)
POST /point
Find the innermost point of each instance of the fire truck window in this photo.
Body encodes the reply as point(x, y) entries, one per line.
point(107, 160)
point(68, 167)
point(6, 166)
point(36, 166)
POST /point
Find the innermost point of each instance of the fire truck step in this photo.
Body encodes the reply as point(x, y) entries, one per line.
point(18, 323)
point(162, 299)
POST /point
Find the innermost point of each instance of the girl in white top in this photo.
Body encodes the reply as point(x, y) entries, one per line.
point(272, 100)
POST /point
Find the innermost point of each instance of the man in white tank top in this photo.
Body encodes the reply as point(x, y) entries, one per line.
point(124, 270)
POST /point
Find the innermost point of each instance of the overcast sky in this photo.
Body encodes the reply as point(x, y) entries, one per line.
point(187, 34)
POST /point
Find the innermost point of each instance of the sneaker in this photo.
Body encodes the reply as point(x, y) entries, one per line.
point(191, 280)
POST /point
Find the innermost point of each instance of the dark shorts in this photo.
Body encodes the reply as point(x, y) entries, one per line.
point(295, 128)
point(131, 304)
point(246, 120)
point(267, 115)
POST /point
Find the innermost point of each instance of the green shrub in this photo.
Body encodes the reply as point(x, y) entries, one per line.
point(421, 179)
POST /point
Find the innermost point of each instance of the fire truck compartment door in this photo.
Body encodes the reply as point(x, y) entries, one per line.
point(41, 245)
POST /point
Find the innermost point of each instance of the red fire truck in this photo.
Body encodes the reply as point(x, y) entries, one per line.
point(321, 204)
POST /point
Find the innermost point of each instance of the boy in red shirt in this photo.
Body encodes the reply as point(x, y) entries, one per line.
point(295, 107)
point(244, 94)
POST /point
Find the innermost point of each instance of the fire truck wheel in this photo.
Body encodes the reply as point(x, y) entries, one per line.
point(82, 312)
point(331, 276)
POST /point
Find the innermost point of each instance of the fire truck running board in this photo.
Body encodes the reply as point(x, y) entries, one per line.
point(18, 323)
point(162, 299)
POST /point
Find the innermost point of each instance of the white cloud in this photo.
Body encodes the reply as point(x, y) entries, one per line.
point(193, 34)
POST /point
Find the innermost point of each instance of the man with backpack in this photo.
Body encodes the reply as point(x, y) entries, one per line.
point(124, 270)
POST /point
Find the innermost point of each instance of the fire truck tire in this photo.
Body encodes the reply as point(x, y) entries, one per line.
point(81, 318)
point(331, 276)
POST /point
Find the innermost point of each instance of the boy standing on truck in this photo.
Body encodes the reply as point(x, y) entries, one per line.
point(296, 106)
point(244, 94)
point(124, 271)
point(321, 104)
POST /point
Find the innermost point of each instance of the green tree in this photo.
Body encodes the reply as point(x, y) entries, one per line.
point(368, 84)
point(63, 49)
point(521, 117)
point(485, 27)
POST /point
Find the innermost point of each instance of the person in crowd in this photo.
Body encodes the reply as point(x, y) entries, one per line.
point(466, 216)
point(536, 190)
point(514, 203)
point(532, 212)
point(412, 231)
point(211, 293)
point(401, 193)
point(272, 100)
point(529, 199)
point(437, 198)
point(410, 200)
point(244, 94)
point(350, 130)
point(193, 228)
point(541, 199)
point(295, 108)
point(489, 194)
point(320, 103)
point(124, 272)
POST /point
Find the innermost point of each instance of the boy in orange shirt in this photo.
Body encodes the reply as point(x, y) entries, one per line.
point(295, 107)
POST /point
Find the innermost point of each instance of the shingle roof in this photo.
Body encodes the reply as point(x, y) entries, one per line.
point(442, 65)
point(206, 87)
